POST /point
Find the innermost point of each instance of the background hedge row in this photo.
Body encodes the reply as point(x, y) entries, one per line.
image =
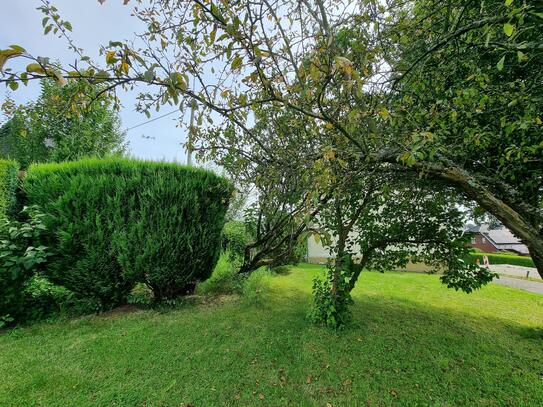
point(115, 222)
point(498, 258)
point(8, 186)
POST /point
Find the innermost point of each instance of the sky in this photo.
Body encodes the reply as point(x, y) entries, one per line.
point(93, 25)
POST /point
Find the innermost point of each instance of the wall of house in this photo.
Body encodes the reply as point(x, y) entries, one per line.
point(318, 254)
point(482, 243)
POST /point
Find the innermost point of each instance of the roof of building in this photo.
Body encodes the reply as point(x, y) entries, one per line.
point(472, 228)
point(502, 236)
point(498, 236)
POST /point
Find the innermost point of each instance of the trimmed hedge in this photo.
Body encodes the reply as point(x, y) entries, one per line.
point(121, 221)
point(8, 186)
point(497, 258)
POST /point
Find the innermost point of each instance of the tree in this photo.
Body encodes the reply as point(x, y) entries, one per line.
point(65, 123)
point(381, 222)
point(346, 67)
point(286, 193)
point(467, 105)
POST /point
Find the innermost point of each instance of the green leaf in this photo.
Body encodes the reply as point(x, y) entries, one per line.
point(102, 75)
point(236, 63)
point(34, 68)
point(500, 63)
point(13, 85)
point(18, 48)
point(508, 29)
point(149, 75)
point(68, 25)
point(508, 2)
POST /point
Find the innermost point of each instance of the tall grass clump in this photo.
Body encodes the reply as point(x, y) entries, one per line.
point(224, 280)
point(116, 222)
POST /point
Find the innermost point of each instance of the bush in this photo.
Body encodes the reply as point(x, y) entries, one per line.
point(116, 222)
point(234, 240)
point(21, 256)
point(499, 258)
point(8, 186)
point(331, 309)
point(44, 299)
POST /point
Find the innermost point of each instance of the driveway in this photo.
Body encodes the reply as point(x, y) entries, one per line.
point(527, 285)
point(515, 271)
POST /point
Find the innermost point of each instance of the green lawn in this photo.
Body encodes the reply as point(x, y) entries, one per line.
point(414, 342)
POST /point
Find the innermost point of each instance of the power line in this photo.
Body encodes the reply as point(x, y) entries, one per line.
point(153, 120)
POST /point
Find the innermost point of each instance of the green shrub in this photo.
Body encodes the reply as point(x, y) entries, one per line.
point(21, 256)
point(234, 240)
point(8, 186)
point(44, 299)
point(328, 308)
point(499, 258)
point(116, 222)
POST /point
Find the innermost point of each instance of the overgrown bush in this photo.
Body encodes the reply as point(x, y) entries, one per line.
point(8, 186)
point(44, 299)
point(500, 258)
point(332, 297)
point(234, 240)
point(21, 256)
point(115, 222)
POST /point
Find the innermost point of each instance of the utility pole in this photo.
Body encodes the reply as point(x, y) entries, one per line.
point(191, 125)
point(191, 131)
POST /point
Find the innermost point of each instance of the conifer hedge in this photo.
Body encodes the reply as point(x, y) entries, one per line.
point(116, 222)
point(8, 186)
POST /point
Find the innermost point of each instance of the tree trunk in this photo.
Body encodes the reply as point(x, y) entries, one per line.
point(537, 256)
point(358, 271)
point(339, 261)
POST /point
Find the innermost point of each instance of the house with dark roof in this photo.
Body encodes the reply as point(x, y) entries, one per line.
point(491, 240)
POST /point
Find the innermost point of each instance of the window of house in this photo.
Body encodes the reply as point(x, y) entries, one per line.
point(473, 240)
point(483, 240)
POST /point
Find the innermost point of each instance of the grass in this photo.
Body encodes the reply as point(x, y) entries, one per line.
point(414, 342)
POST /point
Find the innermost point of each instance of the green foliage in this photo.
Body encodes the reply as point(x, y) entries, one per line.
point(499, 258)
point(8, 186)
point(116, 222)
point(224, 280)
point(469, 102)
point(332, 295)
point(65, 123)
point(21, 256)
point(43, 299)
point(254, 288)
point(234, 240)
point(466, 277)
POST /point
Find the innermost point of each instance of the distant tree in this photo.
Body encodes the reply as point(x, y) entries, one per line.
point(65, 123)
